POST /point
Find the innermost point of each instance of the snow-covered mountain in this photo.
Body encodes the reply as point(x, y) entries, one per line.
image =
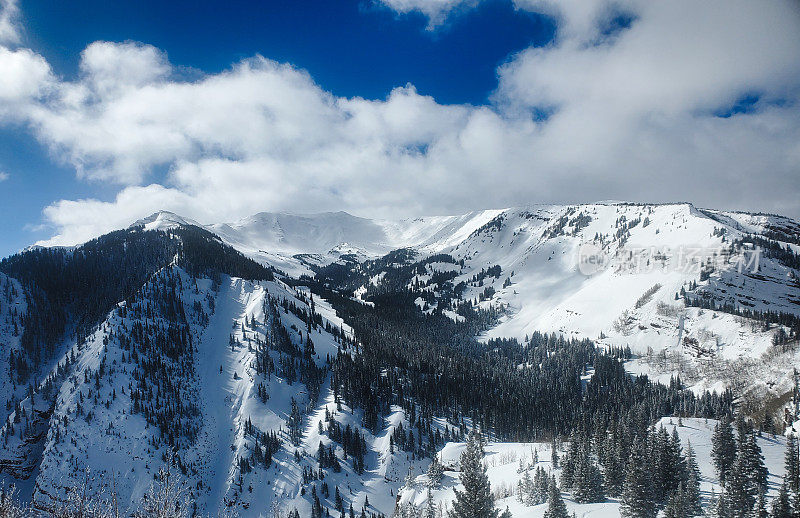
point(221, 379)
point(653, 255)
point(293, 242)
point(170, 343)
point(655, 259)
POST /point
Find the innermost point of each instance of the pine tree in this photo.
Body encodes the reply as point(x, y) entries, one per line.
point(410, 479)
point(723, 448)
point(588, 483)
point(476, 501)
point(719, 508)
point(556, 508)
point(761, 506)
point(692, 481)
point(792, 463)
point(295, 423)
point(541, 486)
point(407, 510)
point(738, 497)
point(713, 506)
point(614, 466)
point(554, 455)
point(674, 465)
point(638, 500)
point(570, 463)
point(755, 469)
point(661, 470)
point(677, 505)
point(316, 506)
point(781, 507)
point(338, 501)
point(430, 506)
point(526, 489)
point(435, 472)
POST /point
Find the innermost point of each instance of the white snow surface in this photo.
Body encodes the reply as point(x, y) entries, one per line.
point(503, 461)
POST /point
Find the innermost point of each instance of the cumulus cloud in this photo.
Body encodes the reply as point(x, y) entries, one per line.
point(9, 28)
point(4, 176)
point(640, 111)
point(25, 76)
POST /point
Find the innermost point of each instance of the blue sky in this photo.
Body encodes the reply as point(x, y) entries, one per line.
point(111, 110)
point(351, 48)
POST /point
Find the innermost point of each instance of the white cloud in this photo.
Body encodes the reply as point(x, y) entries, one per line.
point(9, 29)
point(25, 75)
point(4, 176)
point(112, 69)
point(631, 115)
point(669, 61)
point(574, 17)
point(436, 11)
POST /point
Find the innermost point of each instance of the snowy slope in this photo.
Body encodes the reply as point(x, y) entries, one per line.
point(92, 437)
point(539, 244)
point(293, 242)
point(663, 249)
point(325, 232)
point(653, 253)
point(12, 306)
point(503, 461)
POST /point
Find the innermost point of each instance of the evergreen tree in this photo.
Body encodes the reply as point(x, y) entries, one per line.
point(738, 497)
point(526, 489)
point(316, 505)
point(747, 477)
point(476, 501)
point(430, 506)
point(295, 423)
point(407, 510)
point(663, 462)
point(556, 508)
point(435, 471)
point(638, 500)
point(541, 486)
point(692, 487)
point(720, 507)
point(792, 463)
point(588, 483)
point(569, 463)
point(761, 506)
point(677, 505)
point(554, 455)
point(755, 469)
point(410, 479)
point(676, 471)
point(723, 448)
point(781, 507)
point(614, 465)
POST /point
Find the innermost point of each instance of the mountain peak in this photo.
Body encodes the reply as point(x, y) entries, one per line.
point(163, 220)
